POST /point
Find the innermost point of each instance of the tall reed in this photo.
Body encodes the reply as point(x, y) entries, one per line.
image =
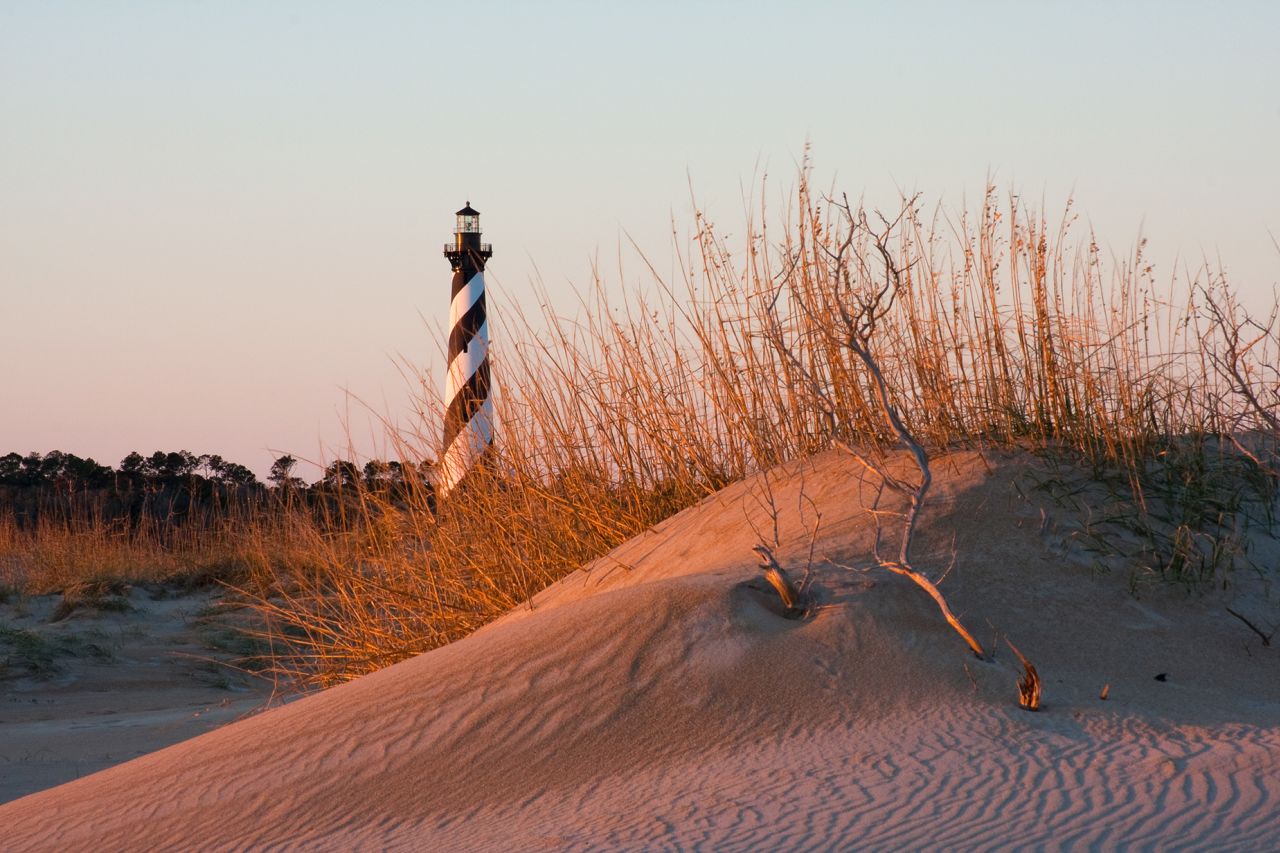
point(84, 545)
point(1010, 331)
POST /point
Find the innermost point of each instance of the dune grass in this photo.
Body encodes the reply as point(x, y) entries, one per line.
point(85, 548)
point(1007, 331)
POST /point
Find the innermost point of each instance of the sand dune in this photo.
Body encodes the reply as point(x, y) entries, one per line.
point(656, 699)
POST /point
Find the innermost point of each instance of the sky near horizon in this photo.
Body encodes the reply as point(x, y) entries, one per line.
point(221, 222)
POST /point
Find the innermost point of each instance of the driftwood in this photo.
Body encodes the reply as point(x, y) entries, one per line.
point(777, 578)
point(1029, 684)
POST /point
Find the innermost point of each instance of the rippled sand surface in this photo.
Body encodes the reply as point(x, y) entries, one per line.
point(658, 699)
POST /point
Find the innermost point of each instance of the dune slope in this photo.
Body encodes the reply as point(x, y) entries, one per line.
point(657, 699)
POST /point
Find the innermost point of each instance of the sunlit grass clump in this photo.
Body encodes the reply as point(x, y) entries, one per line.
point(87, 547)
point(1003, 330)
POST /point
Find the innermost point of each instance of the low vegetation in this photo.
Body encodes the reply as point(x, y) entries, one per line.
point(24, 652)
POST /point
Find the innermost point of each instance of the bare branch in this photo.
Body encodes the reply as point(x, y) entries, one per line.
point(929, 587)
point(860, 313)
point(1266, 638)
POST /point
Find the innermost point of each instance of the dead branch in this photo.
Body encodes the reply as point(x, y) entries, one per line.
point(1236, 361)
point(860, 310)
point(1266, 638)
point(1029, 684)
point(928, 586)
point(905, 436)
point(887, 478)
point(859, 328)
point(778, 579)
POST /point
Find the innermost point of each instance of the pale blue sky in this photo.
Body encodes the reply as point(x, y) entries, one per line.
point(216, 216)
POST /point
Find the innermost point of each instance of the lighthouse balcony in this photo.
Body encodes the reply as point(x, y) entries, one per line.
point(485, 249)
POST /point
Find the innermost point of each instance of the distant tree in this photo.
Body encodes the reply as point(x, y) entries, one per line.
point(377, 474)
point(10, 469)
point(281, 475)
point(341, 474)
point(133, 464)
point(32, 470)
point(235, 474)
point(81, 474)
point(131, 474)
point(171, 468)
point(210, 465)
point(52, 469)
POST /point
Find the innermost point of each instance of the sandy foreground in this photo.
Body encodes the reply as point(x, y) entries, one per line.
point(657, 699)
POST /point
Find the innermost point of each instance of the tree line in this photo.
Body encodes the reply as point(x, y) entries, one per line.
point(176, 486)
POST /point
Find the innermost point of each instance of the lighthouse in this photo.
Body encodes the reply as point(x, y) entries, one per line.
point(468, 409)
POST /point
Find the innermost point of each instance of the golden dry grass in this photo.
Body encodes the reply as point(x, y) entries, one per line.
point(1007, 331)
point(86, 547)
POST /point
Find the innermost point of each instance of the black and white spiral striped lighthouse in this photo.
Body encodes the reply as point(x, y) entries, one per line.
point(468, 412)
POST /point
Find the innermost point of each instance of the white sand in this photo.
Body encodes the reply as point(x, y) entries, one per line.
point(655, 700)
